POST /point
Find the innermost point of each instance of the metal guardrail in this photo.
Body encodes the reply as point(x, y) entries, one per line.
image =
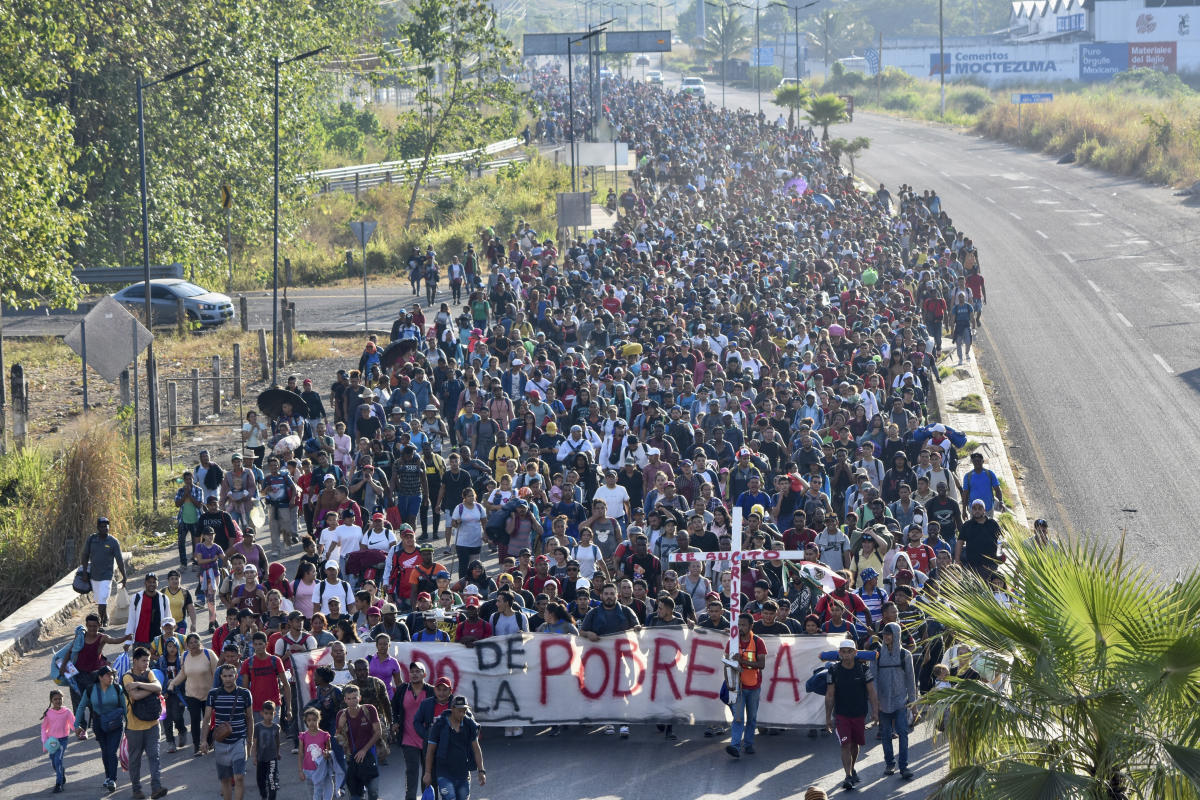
point(114, 275)
point(365, 176)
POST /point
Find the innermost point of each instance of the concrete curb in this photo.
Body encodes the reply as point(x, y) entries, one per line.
point(22, 630)
point(980, 426)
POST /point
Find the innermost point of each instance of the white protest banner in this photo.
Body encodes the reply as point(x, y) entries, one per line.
point(653, 675)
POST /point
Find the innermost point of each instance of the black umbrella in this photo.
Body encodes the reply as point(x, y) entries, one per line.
point(271, 403)
point(395, 351)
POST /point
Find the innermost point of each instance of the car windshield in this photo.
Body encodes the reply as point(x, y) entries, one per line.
point(691, 81)
point(188, 290)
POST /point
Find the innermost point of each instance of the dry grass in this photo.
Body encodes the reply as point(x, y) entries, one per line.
point(50, 502)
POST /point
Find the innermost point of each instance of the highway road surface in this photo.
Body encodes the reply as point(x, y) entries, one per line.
point(1090, 333)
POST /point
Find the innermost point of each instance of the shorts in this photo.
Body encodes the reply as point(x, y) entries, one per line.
point(102, 590)
point(231, 759)
point(850, 730)
point(408, 505)
point(977, 304)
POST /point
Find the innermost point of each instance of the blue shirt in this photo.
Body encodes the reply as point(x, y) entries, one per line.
point(980, 486)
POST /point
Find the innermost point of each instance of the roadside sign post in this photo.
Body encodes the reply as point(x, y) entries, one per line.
point(1021, 98)
point(363, 231)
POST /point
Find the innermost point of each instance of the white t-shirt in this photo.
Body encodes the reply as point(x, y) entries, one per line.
point(376, 540)
point(341, 591)
point(615, 498)
point(587, 556)
point(345, 539)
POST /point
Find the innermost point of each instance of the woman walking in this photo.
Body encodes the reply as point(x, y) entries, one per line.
point(105, 707)
point(962, 314)
point(197, 673)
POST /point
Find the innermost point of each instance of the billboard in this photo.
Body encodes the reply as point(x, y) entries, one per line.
point(637, 42)
point(552, 44)
point(1001, 61)
point(1153, 55)
point(1100, 61)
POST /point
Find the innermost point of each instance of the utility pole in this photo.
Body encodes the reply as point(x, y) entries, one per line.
point(942, 54)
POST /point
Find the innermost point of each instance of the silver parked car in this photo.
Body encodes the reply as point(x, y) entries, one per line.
point(200, 305)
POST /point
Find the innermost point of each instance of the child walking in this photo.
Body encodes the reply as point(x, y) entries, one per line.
point(316, 756)
point(265, 751)
point(57, 723)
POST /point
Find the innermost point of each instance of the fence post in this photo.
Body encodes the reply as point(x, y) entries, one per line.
point(216, 384)
point(289, 329)
point(180, 316)
point(124, 388)
point(262, 354)
point(244, 313)
point(237, 371)
point(20, 405)
point(195, 396)
point(356, 187)
point(287, 276)
point(172, 409)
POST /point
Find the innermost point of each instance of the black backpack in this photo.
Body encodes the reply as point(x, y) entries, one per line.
point(148, 708)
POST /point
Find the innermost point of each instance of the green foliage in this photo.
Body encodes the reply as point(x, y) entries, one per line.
point(1090, 679)
point(794, 96)
point(765, 77)
point(1146, 81)
point(459, 55)
point(825, 110)
point(347, 140)
point(38, 191)
point(970, 100)
point(727, 35)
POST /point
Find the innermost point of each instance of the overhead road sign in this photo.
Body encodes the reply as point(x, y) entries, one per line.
point(553, 44)
point(637, 42)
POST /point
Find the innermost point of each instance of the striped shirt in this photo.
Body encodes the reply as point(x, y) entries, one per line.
point(231, 707)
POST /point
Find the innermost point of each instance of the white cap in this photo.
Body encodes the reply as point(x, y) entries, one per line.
point(583, 583)
point(471, 589)
point(847, 643)
point(979, 503)
point(168, 621)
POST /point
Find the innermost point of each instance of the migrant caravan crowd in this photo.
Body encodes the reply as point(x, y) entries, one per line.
point(754, 332)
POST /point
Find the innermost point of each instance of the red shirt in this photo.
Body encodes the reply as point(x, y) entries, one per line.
point(263, 679)
point(921, 556)
point(480, 629)
point(796, 539)
point(975, 284)
point(853, 603)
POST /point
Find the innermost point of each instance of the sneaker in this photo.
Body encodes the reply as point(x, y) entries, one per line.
point(848, 785)
point(624, 731)
point(110, 785)
point(57, 788)
point(173, 748)
point(609, 730)
point(906, 774)
point(295, 750)
point(733, 751)
point(854, 776)
point(672, 735)
point(518, 733)
point(138, 794)
point(748, 749)
point(890, 769)
point(708, 732)
point(159, 792)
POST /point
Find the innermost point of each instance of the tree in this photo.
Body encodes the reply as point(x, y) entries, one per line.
point(37, 188)
point(727, 36)
point(825, 110)
point(795, 97)
point(1092, 673)
point(454, 56)
point(853, 149)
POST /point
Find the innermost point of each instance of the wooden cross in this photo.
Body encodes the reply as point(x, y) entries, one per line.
point(736, 555)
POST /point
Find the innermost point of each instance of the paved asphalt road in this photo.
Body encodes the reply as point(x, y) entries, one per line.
point(1090, 334)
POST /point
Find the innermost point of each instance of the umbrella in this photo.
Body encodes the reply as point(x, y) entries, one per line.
point(395, 351)
point(799, 185)
point(824, 200)
point(271, 402)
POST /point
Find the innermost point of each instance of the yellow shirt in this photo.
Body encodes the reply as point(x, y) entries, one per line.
point(131, 722)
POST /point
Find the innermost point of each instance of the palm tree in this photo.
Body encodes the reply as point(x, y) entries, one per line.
point(854, 148)
point(794, 96)
point(826, 110)
point(1092, 675)
point(727, 35)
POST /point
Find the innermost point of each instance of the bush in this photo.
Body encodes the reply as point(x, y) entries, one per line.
point(895, 78)
point(1144, 80)
point(765, 77)
point(347, 140)
point(902, 101)
point(969, 99)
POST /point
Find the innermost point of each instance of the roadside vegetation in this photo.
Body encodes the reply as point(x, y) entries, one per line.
point(1143, 123)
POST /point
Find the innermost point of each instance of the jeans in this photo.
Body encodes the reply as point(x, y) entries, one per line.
point(465, 556)
point(742, 733)
point(144, 742)
point(173, 724)
point(321, 781)
point(412, 771)
point(454, 788)
point(109, 742)
point(56, 761)
point(339, 763)
point(894, 721)
point(185, 532)
point(196, 714)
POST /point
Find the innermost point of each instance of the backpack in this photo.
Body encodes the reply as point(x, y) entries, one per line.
point(106, 721)
point(146, 709)
point(497, 520)
point(69, 652)
point(317, 598)
point(522, 620)
point(818, 682)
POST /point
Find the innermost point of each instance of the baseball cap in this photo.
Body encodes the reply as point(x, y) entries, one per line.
point(471, 600)
point(330, 564)
point(444, 681)
point(377, 515)
point(471, 590)
point(442, 574)
point(844, 643)
point(424, 596)
point(459, 702)
point(426, 548)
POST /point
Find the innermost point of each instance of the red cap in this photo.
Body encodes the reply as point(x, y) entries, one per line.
point(424, 596)
point(444, 682)
point(377, 515)
point(542, 560)
point(471, 600)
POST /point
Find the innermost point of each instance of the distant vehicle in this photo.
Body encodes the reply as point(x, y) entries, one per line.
point(605, 72)
point(654, 76)
point(790, 82)
point(643, 61)
point(200, 305)
point(692, 85)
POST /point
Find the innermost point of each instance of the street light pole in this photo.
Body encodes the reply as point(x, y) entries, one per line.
point(942, 56)
point(278, 62)
point(151, 379)
point(724, 55)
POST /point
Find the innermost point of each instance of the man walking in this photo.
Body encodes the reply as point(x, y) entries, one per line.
point(141, 723)
point(897, 689)
point(751, 658)
point(850, 688)
point(454, 747)
point(606, 619)
point(229, 714)
point(100, 553)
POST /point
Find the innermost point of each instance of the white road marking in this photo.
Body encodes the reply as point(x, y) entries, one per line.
point(1095, 288)
point(922, 163)
point(1069, 210)
point(1039, 233)
point(944, 174)
point(1046, 202)
point(1067, 256)
point(1014, 215)
point(1124, 321)
point(990, 200)
point(1086, 224)
point(1162, 362)
point(963, 185)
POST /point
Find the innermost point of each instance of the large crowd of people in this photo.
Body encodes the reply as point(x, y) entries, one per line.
point(756, 331)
